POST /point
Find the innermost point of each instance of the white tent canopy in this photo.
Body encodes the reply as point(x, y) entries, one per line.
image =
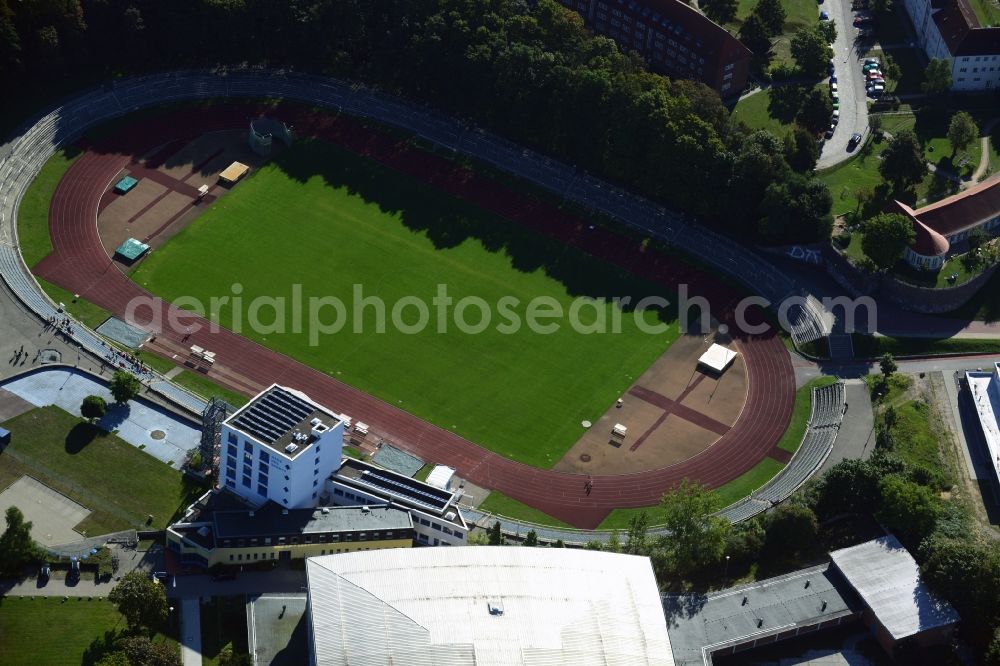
point(440, 477)
point(717, 358)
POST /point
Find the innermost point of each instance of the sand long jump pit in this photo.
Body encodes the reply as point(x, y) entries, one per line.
point(673, 411)
point(53, 515)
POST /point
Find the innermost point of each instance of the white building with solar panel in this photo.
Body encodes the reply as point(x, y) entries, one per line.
point(280, 446)
point(485, 606)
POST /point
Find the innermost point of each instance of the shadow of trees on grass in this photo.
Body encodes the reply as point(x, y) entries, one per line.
point(81, 435)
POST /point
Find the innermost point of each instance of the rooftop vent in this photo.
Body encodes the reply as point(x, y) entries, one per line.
point(315, 422)
point(291, 448)
point(252, 514)
point(325, 510)
point(450, 515)
point(366, 509)
point(495, 607)
point(284, 512)
point(204, 531)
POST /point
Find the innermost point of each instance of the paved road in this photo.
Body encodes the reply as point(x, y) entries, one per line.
point(855, 438)
point(853, 104)
point(190, 615)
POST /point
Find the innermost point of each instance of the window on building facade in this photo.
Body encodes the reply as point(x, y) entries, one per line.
point(231, 483)
point(231, 450)
point(262, 490)
point(247, 447)
point(247, 481)
point(265, 457)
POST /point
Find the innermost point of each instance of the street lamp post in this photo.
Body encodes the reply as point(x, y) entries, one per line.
point(725, 574)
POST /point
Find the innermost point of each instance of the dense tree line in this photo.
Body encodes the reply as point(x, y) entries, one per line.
point(530, 71)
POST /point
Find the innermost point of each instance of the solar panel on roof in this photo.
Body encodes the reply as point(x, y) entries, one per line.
point(423, 496)
point(273, 415)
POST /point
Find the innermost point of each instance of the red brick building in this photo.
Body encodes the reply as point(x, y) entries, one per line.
point(675, 40)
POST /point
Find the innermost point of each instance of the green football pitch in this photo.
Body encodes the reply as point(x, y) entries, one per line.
point(333, 222)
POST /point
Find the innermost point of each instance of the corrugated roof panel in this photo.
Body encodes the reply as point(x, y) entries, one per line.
point(887, 578)
point(559, 607)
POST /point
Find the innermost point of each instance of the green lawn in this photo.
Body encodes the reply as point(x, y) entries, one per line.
point(755, 111)
point(987, 11)
point(83, 311)
point(799, 13)
point(33, 212)
point(119, 483)
point(423, 472)
point(223, 624)
point(861, 172)
point(792, 438)
point(47, 631)
point(932, 130)
point(846, 179)
point(337, 220)
point(498, 503)
point(774, 109)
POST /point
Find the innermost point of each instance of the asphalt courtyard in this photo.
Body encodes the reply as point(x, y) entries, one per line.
point(277, 626)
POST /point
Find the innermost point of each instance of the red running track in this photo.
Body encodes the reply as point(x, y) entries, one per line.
point(80, 264)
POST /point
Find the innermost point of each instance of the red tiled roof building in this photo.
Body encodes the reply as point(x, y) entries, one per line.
point(675, 39)
point(942, 224)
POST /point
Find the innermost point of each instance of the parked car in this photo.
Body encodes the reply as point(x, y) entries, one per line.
point(833, 88)
point(836, 100)
point(829, 133)
point(872, 61)
point(43, 574)
point(854, 141)
point(833, 78)
point(835, 118)
point(865, 32)
point(823, 16)
point(158, 575)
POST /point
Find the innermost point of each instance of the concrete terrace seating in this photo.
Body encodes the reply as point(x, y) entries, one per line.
point(824, 422)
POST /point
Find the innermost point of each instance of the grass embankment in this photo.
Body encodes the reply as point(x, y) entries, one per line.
point(349, 221)
point(914, 438)
point(498, 503)
point(120, 484)
point(869, 346)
